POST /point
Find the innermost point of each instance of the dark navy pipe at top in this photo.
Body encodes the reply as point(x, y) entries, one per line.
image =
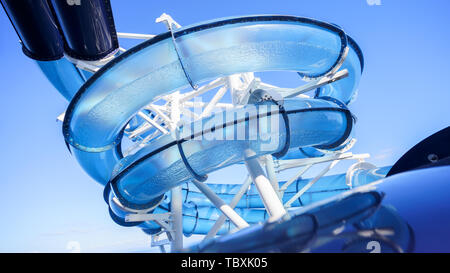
point(47, 29)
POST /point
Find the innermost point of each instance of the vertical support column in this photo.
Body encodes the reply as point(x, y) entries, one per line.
point(267, 193)
point(176, 193)
point(176, 208)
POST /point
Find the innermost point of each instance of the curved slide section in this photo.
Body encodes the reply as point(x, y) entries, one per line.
point(157, 168)
point(103, 106)
point(199, 215)
point(328, 186)
point(64, 76)
point(109, 99)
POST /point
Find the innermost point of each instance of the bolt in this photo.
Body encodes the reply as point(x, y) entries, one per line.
point(433, 158)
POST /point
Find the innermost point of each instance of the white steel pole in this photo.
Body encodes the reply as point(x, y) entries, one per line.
point(218, 224)
point(134, 35)
point(212, 103)
point(176, 208)
point(221, 205)
point(310, 184)
point(267, 193)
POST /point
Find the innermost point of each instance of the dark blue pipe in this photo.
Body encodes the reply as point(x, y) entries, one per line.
point(36, 28)
point(87, 28)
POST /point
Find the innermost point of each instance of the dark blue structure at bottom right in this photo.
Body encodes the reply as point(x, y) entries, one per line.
point(406, 212)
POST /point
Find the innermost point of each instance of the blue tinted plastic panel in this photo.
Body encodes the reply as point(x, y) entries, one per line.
point(158, 167)
point(153, 68)
point(326, 187)
point(64, 76)
point(112, 96)
point(345, 90)
point(407, 212)
point(199, 215)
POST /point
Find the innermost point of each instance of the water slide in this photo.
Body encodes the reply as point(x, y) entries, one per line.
point(105, 104)
point(96, 116)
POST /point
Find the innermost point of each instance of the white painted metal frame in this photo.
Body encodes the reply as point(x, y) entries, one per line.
point(266, 191)
point(229, 212)
point(238, 196)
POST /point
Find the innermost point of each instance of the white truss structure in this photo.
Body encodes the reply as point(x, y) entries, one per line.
point(169, 112)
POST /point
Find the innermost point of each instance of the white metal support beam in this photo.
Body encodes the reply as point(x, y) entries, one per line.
point(140, 217)
point(134, 36)
point(282, 165)
point(310, 184)
point(237, 197)
point(160, 113)
point(267, 193)
point(176, 208)
point(212, 103)
point(224, 106)
point(235, 218)
point(293, 179)
point(152, 122)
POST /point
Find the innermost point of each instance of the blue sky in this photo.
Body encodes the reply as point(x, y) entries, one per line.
point(47, 201)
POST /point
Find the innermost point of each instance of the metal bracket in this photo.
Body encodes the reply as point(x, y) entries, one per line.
point(157, 241)
point(164, 220)
point(142, 217)
point(167, 20)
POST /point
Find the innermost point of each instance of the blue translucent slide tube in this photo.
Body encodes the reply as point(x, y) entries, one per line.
point(199, 215)
point(64, 76)
point(157, 168)
point(111, 97)
point(98, 113)
point(327, 186)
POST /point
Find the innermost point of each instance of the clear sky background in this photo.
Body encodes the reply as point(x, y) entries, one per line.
point(47, 201)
